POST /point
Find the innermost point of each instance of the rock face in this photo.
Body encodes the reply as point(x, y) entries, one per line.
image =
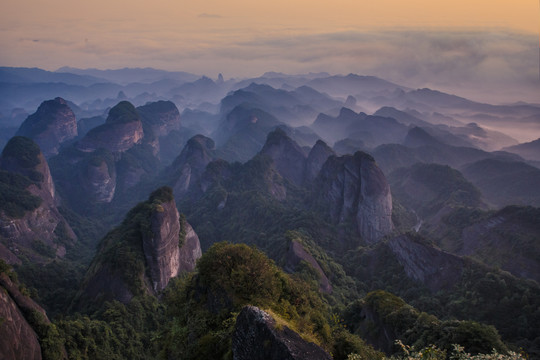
point(355, 190)
point(18, 339)
point(256, 338)
point(316, 159)
point(296, 254)
point(164, 257)
point(187, 169)
point(98, 179)
point(33, 230)
point(289, 158)
point(433, 267)
point(51, 125)
point(159, 243)
point(122, 130)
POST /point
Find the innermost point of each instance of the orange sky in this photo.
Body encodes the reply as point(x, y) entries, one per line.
point(241, 37)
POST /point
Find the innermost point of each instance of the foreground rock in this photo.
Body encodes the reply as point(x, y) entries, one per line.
point(256, 337)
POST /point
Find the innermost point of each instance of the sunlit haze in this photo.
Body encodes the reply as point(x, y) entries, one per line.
point(459, 46)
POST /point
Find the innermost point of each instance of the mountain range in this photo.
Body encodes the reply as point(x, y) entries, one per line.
point(155, 214)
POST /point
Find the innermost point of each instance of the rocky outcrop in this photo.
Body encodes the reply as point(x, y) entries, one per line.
point(296, 254)
point(320, 152)
point(161, 116)
point(427, 264)
point(51, 125)
point(122, 130)
point(171, 246)
point(354, 190)
point(289, 158)
point(186, 170)
point(39, 231)
point(18, 340)
point(152, 245)
point(256, 337)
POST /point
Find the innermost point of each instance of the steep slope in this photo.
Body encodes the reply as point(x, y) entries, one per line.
point(185, 173)
point(152, 245)
point(354, 190)
point(31, 225)
point(319, 153)
point(51, 125)
point(25, 329)
point(289, 159)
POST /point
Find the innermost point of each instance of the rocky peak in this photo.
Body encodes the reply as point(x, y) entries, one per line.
point(288, 156)
point(22, 155)
point(167, 236)
point(161, 116)
point(320, 152)
point(256, 337)
point(160, 244)
point(121, 131)
point(188, 167)
point(28, 210)
point(51, 125)
point(355, 190)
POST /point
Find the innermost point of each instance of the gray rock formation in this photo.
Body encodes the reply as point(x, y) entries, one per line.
point(164, 257)
point(355, 190)
point(51, 125)
point(289, 158)
point(257, 338)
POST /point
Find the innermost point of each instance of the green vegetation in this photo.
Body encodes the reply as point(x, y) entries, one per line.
point(203, 307)
point(382, 313)
point(15, 199)
point(24, 150)
point(123, 112)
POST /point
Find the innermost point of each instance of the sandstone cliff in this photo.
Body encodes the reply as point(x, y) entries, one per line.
point(51, 125)
point(354, 190)
point(122, 130)
point(18, 340)
point(256, 337)
point(30, 225)
point(152, 245)
point(185, 172)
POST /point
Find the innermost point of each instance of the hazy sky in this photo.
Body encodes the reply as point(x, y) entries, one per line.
point(436, 43)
